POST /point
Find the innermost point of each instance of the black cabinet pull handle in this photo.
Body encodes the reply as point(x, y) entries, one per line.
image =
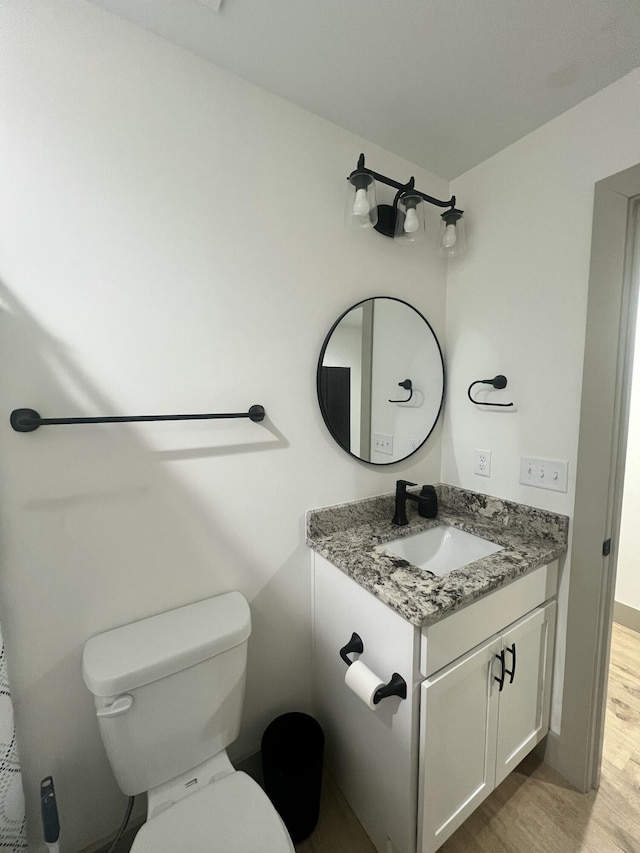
point(500, 678)
point(511, 672)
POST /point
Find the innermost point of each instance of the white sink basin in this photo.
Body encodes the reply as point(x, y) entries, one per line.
point(441, 549)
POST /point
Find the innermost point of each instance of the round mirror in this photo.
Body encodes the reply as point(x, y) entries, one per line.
point(381, 380)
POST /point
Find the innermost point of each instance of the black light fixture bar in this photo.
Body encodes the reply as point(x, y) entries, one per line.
point(404, 219)
point(408, 186)
point(28, 420)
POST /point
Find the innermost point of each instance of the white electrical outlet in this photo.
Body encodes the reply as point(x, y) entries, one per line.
point(550, 474)
point(482, 465)
point(383, 443)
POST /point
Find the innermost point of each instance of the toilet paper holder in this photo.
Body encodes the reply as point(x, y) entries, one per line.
point(397, 686)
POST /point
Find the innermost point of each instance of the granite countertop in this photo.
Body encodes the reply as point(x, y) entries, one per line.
point(349, 536)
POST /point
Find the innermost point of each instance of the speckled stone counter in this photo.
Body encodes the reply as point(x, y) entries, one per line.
point(349, 536)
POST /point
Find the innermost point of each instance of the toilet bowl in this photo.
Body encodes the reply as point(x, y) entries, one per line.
point(232, 815)
point(168, 692)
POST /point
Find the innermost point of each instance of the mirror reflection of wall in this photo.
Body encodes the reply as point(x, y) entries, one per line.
point(370, 350)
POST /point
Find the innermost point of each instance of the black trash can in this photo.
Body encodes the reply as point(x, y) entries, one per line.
point(292, 750)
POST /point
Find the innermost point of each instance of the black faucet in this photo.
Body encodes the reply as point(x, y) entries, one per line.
point(427, 502)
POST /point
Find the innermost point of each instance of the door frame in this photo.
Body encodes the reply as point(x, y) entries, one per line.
point(604, 417)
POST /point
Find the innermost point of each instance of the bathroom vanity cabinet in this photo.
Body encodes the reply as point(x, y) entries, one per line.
point(478, 698)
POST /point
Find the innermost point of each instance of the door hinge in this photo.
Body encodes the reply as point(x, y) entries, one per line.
point(606, 547)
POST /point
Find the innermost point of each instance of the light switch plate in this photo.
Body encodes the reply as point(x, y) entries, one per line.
point(550, 474)
point(383, 443)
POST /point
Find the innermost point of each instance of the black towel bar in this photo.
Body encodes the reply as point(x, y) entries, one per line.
point(26, 420)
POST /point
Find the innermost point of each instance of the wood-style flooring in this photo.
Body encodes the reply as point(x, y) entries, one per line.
point(338, 829)
point(535, 810)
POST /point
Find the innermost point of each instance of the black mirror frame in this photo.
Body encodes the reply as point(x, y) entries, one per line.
point(319, 380)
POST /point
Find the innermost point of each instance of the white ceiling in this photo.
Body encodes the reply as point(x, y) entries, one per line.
point(442, 83)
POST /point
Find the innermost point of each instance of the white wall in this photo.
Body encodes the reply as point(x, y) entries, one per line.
point(628, 562)
point(516, 301)
point(152, 260)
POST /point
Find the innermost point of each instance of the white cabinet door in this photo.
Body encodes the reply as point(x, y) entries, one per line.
point(523, 715)
point(473, 733)
point(458, 721)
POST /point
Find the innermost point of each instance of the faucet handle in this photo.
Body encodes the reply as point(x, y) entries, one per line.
point(428, 502)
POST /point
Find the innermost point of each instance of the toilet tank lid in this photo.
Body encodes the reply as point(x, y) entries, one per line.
point(153, 648)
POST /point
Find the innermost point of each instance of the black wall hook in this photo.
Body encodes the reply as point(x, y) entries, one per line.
point(408, 386)
point(498, 382)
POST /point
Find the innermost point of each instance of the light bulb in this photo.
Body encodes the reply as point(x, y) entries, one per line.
point(450, 236)
point(361, 206)
point(411, 222)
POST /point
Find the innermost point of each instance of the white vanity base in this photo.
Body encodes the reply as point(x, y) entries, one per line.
point(414, 769)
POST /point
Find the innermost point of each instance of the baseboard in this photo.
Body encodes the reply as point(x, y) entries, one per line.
point(548, 750)
point(627, 616)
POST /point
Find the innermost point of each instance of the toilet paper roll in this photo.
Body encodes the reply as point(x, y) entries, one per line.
point(363, 682)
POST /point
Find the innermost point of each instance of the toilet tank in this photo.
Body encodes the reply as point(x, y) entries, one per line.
point(169, 689)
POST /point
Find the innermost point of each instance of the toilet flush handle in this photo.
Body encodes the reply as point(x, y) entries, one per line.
point(119, 706)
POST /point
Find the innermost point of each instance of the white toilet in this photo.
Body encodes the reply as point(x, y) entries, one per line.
point(168, 692)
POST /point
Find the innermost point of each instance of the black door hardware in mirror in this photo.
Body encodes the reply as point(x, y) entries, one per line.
point(369, 351)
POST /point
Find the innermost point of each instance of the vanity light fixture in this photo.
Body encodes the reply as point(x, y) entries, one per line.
point(404, 220)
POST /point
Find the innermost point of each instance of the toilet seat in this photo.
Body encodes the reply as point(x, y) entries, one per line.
point(232, 815)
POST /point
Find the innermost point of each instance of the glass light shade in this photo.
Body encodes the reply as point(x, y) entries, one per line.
point(451, 238)
point(361, 210)
point(410, 226)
